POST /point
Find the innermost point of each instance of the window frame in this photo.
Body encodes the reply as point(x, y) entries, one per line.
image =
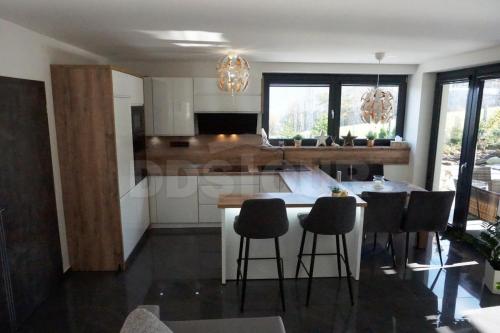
point(335, 82)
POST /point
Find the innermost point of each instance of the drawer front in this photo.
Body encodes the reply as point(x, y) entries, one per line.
point(209, 194)
point(229, 180)
point(209, 214)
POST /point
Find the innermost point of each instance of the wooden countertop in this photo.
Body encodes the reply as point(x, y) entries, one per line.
point(305, 187)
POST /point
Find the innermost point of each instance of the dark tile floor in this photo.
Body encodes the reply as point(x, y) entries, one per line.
point(180, 271)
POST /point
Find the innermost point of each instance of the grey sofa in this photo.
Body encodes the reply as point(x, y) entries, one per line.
point(232, 325)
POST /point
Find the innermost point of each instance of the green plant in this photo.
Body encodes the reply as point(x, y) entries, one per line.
point(371, 135)
point(488, 244)
point(297, 137)
point(335, 189)
point(382, 134)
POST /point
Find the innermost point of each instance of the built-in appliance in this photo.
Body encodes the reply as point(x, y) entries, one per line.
point(139, 142)
point(228, 168)
point(226, 123)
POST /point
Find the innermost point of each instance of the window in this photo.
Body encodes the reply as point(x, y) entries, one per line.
point(307, 104)
point(350, 119)
point(298, 110)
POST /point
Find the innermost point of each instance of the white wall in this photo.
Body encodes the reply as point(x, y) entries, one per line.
point(26, 54)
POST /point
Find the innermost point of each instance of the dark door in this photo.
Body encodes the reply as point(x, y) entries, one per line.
point(31, 241)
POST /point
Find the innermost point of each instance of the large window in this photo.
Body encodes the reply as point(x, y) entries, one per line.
point(298, 110)
point(308, 104)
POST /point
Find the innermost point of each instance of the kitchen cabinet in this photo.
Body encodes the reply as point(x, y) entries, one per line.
point(134, 212)
point(169, 106)
point(105, 211)
point(209, 98)
point(176, 199)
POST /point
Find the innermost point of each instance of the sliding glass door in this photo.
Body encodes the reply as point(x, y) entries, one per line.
point(465, 145)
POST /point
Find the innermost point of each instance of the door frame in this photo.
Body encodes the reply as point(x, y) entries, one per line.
point(476, 77)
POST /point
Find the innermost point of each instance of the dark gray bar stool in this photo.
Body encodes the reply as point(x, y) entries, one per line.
point(260, 219)
point(427, 211)
point(328, 216)
point(384, 213)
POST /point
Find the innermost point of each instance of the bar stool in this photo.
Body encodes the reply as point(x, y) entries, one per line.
point(427, 211)
point(260, 219)
point(328, 216)
point(384, 213)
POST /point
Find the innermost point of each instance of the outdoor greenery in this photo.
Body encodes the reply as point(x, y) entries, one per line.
point(489, 131)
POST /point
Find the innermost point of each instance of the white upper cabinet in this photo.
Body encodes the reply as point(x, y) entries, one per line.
point(126, 85)
point(209, 98)
point(169, 106)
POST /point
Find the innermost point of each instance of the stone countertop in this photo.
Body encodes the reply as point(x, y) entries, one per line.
point(305, 187)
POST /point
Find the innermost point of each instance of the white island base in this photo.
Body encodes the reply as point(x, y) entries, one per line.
point(325, 266)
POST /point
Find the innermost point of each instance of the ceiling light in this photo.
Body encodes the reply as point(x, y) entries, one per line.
point(187, 35)
point(198, 45)
point(377, 103)
point(233, 73)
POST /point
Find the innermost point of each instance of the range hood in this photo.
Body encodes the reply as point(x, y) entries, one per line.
point(226, 123)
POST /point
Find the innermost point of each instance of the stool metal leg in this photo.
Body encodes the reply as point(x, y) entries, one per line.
point(439, 249)
point(348, 269)
point(245, 270)
point(280, 271)
point(238, 270)
point(393, 253)
point(311, 269)
point(300, 253)
point(374, 241)
point(406, 249)
point(339, 266)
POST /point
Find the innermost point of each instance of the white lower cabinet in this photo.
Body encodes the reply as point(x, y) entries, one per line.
point(134, 210)
point(176, 199)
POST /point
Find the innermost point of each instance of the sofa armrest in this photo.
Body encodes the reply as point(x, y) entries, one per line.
point(154, 309)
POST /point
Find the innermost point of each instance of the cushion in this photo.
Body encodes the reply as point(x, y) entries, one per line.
point(143, 321)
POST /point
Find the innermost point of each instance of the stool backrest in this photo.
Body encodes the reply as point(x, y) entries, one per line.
point(384, 212)
point(332, 216)
point(263, 218)
point(428, 211)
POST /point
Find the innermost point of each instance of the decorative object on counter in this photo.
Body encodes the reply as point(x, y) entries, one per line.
point(233, 73)
point(338, 192)
point(370, 139)
point(321, 139)
point(399, 143)
point(349, 139)
point(377, 103)
point(339, 176)
point(488, 244)
point(265, 140)
point(378, 182)
point(297, 140)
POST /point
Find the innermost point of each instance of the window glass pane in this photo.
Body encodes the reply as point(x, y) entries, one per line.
point(350, 113)
point(298, 110)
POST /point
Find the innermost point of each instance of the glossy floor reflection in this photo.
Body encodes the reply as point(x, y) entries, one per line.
point(180, 271)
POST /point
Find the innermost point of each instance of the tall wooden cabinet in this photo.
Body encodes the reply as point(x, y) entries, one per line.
point(104, 207)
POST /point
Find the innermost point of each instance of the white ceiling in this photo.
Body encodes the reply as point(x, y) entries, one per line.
point(334, 31)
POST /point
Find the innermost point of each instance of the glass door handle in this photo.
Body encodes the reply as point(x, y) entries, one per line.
point(462, 167)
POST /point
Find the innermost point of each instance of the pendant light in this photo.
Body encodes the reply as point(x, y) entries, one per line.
point(377, 103)
point(233, 73)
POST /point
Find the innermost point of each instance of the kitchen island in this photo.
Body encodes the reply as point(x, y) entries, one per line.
point(305, 187)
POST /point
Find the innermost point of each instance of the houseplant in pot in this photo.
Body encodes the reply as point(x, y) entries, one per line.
point(297, 140)
point(488, 245)
point(370, 139)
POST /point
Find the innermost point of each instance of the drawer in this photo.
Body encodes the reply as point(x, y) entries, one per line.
point(209, 214)
point(229, 180)
point(209, 194)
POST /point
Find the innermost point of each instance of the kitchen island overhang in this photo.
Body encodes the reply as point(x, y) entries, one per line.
point(305, 188)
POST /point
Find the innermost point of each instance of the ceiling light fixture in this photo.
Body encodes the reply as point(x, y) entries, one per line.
point(377, 103)
point(197, 45)
point(187, 35)
point(233, 73)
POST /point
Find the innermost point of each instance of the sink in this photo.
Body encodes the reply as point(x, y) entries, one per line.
point(228, 168)
point(282, 167)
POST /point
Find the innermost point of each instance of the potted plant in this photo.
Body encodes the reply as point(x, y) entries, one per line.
point(297, 140)
point(338, 192)
point(370, 138)
point(488, 245)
